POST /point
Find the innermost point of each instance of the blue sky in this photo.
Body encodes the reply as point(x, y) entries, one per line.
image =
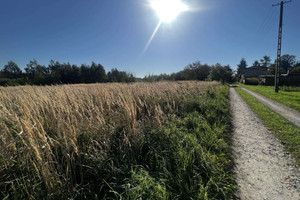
point(115, 32)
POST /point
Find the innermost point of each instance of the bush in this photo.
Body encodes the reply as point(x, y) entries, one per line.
point(251, 81)
point(11, 82)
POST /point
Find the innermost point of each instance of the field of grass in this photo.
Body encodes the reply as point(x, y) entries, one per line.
point(288, 133)
point(289, 96)
point(166, 140)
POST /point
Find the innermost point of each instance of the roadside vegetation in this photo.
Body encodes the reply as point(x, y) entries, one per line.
point(288, 133)
point(289, 96)
point(166, 140)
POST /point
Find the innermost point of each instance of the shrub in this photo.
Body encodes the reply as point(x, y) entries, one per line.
point(251, 81)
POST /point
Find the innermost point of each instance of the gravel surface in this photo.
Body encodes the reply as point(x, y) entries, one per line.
point(263, 169)
point(286, 112)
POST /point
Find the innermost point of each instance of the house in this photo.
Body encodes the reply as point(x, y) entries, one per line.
point(253, 72)
point(289, 79)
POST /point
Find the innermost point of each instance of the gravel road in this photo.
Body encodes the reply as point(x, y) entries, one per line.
point(288, 113)
point(263, 169)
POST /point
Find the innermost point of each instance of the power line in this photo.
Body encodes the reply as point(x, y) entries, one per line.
point(263, 29)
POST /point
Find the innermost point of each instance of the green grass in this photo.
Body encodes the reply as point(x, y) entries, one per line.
point(289, 96)
point(288, 133)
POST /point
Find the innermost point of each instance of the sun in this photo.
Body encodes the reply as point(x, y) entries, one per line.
point(168, 10)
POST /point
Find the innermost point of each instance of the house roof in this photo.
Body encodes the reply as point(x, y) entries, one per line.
point(256, 68)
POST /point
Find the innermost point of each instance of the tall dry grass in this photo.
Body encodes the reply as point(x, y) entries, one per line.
point(43, 129)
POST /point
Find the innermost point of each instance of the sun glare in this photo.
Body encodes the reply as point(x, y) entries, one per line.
point(168, 10)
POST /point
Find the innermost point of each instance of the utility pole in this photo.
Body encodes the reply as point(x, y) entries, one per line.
point(279, 45)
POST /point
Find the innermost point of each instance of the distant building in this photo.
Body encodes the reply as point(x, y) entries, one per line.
point(253, 73)
point(289, 79)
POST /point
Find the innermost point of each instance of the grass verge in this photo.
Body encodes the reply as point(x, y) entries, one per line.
point(289, 96)
point(288, 133)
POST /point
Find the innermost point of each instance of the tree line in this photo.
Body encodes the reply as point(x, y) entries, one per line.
point(60, 73)
point(197, 71)
point(65, 73)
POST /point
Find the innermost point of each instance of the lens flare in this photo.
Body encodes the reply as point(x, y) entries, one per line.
point(151, 38)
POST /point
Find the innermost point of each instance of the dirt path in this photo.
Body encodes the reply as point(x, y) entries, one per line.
point(263, 169)
point(288, 113)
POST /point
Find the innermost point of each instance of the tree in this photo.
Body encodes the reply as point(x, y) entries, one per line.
point(197, 71)
point(296, 70)
point(241, 67)
point(54, 71)
point(116, 76)
point(256, 64)
point(287, 62)
point(161, 77)
point(120, 76)
point(271, 70)
point(97, 73)
point(65, 73)
point(31, 68)
point(37, 74)
point(194, 71)
point(40, 75)
point(85, 73)
point(180, 76)
point(62, 73)
point(75, 74)
point(11, 70)
point(265, 61)
point(221, 73)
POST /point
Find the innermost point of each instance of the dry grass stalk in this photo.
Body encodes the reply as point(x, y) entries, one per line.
point(39, 126)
